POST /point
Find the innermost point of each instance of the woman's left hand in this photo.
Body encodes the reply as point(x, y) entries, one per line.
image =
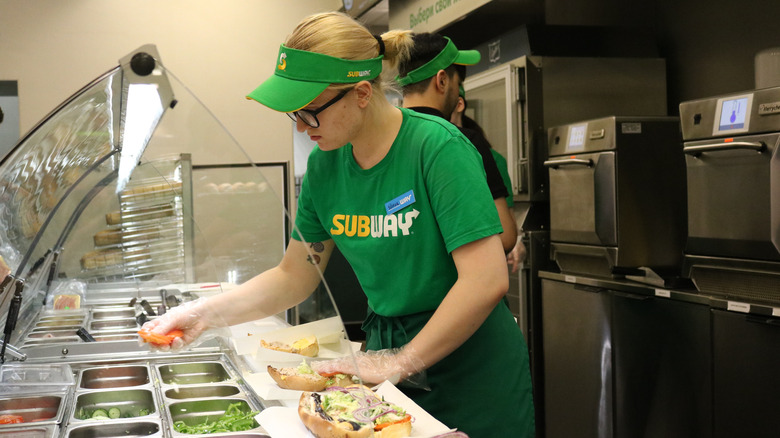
point(393, 365)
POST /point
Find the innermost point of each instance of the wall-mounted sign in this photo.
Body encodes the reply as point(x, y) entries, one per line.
point(429, 15)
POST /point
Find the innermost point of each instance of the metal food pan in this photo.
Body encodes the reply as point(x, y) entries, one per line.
point(193, 392)
point(53, 340)
point(48, 334)
point(128, 331)
point(30, 431)
point(193, 373)
point(41, 409)
point(114, 377)
point(203, 411)
point(125, 429)
point(60, 324)
point(117, 312)
point(62, 312)
point(74, 319)
point(113, 305)
point(115, 337)
point(118, 323)
point(130, 402)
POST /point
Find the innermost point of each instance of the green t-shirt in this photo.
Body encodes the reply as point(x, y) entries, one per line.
point(504, 171)
point(397, 222)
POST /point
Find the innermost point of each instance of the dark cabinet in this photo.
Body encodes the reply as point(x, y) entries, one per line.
point(662, 365)
point(746, 376)
point(577, 348)
point(621, 364)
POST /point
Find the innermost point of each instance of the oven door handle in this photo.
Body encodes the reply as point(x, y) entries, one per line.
point(554, 164)
point(757, 146)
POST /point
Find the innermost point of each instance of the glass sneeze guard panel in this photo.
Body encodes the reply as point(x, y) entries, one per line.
point(118, 194)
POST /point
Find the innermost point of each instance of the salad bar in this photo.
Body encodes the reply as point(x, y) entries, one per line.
point(194, 395)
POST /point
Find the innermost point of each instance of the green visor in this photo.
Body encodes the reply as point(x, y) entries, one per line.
point(301, 76)
point(448, 56)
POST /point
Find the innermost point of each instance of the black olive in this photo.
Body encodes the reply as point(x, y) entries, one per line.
point(355, 426)
point(318, 407)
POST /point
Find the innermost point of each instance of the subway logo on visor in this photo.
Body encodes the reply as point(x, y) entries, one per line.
point(358, 74)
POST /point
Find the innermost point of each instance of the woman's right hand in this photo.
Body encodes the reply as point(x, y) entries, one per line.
point(191, 318)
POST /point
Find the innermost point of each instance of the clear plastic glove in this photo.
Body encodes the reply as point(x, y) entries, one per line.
point(396, 365)
point(516, 257)
point(193, 319)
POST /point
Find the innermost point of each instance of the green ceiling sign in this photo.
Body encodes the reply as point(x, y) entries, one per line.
point(429, 15)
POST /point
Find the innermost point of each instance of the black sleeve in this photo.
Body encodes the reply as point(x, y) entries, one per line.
point(494, 180)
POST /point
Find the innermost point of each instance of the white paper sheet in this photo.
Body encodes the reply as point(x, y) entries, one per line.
point(327, 330)
point(330, 337)
point(246, 337)
point(283, 422)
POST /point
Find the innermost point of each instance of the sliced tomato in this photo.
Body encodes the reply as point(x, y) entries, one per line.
point(157, 339)
point(381, 426)
point(331, 374)
point(11, 419)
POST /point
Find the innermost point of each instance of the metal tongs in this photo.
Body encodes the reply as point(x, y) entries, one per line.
point(168, 301)
point(144, 310)
point(13, 311)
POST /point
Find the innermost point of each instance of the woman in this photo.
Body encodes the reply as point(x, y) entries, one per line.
point(404, 198)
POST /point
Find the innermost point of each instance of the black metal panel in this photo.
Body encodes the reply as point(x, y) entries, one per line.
point(746, 354)
point(577, 361)
point(662, 367)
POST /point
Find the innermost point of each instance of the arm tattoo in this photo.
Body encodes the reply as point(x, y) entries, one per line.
point(314, 259)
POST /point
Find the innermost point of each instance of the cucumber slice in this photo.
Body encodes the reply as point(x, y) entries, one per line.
point(99, 413)
point(114, 413)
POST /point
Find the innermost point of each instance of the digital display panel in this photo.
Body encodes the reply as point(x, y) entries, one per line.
point(733, 114)
point(576, 138)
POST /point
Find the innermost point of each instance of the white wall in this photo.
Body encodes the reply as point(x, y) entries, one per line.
point(220, 50)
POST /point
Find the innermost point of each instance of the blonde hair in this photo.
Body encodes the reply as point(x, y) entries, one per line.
point(339, 35)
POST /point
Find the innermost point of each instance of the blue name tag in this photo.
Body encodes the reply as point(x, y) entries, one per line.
point(399, 202)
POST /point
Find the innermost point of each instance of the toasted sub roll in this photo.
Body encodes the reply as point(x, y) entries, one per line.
point(292, 378)
point(307, 346)
point(325, 422)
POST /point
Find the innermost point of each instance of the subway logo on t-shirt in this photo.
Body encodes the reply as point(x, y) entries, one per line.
point(391, 225)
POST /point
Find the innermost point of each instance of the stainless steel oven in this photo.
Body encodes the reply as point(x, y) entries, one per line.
point(516, 101)
point(733, 172)
point(617, 198)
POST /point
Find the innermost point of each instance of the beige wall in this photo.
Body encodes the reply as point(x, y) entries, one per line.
point(220, 50)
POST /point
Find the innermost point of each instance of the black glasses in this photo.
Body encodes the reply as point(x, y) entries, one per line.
point(310, 117)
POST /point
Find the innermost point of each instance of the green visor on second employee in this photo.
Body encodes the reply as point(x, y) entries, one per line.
point(300, 76)
point(448, 56)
